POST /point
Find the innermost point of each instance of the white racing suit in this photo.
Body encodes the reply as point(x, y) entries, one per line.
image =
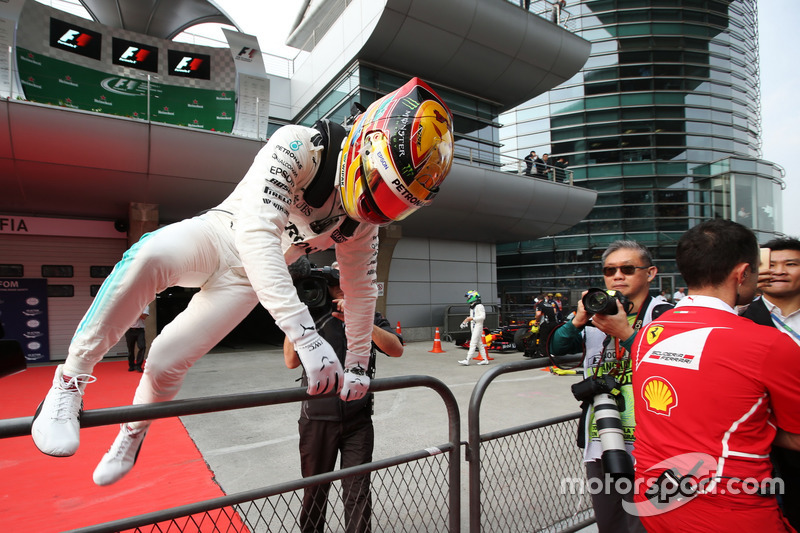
point(478, 314)
point(237, 253)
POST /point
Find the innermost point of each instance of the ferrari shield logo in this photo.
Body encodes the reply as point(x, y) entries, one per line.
point(653, 332)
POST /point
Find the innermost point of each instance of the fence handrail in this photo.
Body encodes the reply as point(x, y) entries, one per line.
point(17, 427)
point(473, 425)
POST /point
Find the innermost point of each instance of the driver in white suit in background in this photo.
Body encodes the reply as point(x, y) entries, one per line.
point(302, 194)
point(477, 315)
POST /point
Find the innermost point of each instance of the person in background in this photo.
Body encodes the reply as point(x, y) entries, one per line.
point(477, 315)
point(679, 295)
point(559, 302)
point(330, 427)
point(136, 342)
point(543, 168)
point(308, 189)
point(560, 170)
point(714, 392)
point(662, 297)
point(779, 307)
point(530, 161)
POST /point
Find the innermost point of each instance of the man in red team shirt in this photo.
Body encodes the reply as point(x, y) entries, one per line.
point(709, 404)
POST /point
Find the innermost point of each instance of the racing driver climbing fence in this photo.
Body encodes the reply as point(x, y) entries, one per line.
point(307, 190)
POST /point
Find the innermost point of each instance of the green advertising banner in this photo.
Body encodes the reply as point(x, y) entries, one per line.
point(51, 81)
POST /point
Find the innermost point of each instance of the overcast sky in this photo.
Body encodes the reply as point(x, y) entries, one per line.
point(780, 78)
point(778, 20)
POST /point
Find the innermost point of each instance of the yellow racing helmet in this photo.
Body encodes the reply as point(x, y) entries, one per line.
point(396, 155)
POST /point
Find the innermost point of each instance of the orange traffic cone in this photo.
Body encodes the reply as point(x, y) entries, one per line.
point(400, 331)
point(437, 343)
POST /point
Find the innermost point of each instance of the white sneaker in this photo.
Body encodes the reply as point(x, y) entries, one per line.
point(484, 362)
point(465, 362)
point(120, 458)
point(56, 424)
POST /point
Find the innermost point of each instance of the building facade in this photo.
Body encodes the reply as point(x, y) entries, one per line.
point(134, 144)
point(663, 121)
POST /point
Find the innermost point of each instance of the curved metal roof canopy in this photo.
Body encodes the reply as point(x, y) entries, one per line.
point(157, 18)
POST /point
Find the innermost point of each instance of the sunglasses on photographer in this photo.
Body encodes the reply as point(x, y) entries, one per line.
point(628, 270)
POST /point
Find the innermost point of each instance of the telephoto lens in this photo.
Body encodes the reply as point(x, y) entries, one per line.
point(617, 461)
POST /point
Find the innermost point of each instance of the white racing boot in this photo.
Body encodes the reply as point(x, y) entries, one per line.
point(56, 424)
point(120, 458)
point(464, 362)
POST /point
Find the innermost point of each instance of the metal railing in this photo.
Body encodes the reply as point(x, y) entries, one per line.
point(512, 165)
point(415, 491)
point(524, 468)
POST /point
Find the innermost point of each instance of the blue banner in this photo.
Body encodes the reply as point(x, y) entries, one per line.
point(23, 313)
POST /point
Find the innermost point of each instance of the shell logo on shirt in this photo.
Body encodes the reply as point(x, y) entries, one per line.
point(659, 395)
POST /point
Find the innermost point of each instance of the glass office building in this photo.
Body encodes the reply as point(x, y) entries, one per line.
point(663, 121)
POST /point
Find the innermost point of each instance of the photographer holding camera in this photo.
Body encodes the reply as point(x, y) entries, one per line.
point(604, 327)
point(330, 427)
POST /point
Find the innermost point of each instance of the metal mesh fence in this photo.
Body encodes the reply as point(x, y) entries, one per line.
point(526, 479)
point(409, 497)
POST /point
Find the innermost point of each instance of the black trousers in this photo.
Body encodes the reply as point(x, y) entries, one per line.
point(134, 338)
point(320, 443)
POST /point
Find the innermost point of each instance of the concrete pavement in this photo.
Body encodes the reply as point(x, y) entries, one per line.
point(253, 448)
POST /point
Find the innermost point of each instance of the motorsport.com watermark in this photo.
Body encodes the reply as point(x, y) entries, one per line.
point(672, 489)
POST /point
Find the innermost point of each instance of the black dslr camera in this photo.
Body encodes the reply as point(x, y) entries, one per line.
point(312, 283)
point(586, 390)
point(604, 302)
point(313, 288)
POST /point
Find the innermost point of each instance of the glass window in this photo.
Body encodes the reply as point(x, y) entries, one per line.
point(100, 271)
point(637, 169)
point(60, 291)
point(602, 130)
point(533, 126)
point(767, 205)
point(567, 133)
point(566, 120)
point(11, 271)
point(566, 107)
point(604, 171)
point(637, 99)
point(57, 271)
point(608, 115)
point(602, 88)
point(602, 101)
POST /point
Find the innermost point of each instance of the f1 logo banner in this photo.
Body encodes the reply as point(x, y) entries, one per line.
point(135, 55)
point(23, 312)
point(75, 39)
point(246, 53)
point(189, 64)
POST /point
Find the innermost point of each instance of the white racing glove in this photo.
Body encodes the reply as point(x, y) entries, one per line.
point(323, 369)
point(356, 380)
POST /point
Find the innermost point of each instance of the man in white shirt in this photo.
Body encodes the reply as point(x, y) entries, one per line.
point(679, 294)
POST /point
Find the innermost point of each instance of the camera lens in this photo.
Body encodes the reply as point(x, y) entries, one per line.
point(312, 292)
point(596, 301)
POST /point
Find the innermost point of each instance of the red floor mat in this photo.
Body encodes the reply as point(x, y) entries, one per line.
point(43, 494)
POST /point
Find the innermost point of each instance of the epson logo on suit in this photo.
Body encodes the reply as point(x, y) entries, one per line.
point(75, 39)
point(189, 65)
point(136, 55)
